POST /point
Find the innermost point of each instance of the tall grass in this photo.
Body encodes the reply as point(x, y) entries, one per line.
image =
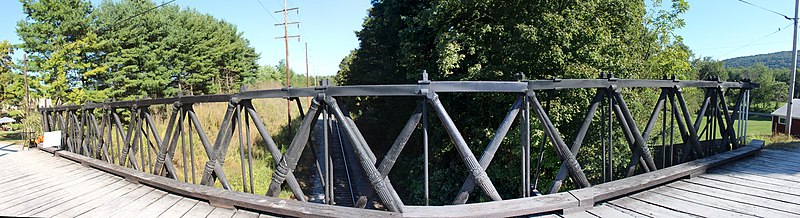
point(210, 115)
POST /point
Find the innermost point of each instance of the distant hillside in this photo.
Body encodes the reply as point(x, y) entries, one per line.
point(775, 60)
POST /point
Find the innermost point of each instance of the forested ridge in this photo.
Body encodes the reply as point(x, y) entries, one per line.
point(775, 60)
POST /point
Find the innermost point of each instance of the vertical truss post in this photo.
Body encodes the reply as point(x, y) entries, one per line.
point(181, 131)
point(326, 119)
point(249, 148)
point(525, 147)
point(425, 82)
point(241, 146)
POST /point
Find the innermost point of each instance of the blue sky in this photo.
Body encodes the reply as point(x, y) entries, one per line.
point(720, 29)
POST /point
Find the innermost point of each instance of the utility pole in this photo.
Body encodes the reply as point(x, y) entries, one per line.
point(794, 72)
point(25, 75)
point(307, 85)
point(286, 37)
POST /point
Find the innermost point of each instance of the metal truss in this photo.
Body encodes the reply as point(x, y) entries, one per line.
point(140, 137)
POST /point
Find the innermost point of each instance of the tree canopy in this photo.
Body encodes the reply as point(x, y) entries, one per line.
point(122, 49)
point(493, 40)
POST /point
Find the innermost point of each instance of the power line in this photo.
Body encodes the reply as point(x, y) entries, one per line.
point(754, 41)
point(267, 10)
point(766, 9)
point(141, 13)
point(737, 45)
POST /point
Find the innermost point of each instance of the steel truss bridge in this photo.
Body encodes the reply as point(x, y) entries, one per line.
point(95, 135)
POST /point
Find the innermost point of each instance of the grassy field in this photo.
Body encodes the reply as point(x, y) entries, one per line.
point(758, 127)
point(11, 136)
point(273, 113)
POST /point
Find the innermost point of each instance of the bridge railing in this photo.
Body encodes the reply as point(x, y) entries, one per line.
point(97, 130)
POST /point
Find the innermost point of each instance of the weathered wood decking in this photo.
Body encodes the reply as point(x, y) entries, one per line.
point(767, 185)
point(35, 183)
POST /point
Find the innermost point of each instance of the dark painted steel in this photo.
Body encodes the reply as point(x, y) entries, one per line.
point(380, 184)
point(491, 149)
point(288, 162)
point(576, 144)
point(272, 147)
point(140, 138)
point(561, 148)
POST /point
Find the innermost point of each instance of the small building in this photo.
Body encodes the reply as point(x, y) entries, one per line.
point(779, 118)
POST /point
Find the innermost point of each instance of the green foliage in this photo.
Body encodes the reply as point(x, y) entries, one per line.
point(58, 37)
point(493, 40)
point(707, 68)
point(773, 86)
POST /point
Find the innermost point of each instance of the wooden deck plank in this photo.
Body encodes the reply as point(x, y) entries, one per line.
point(583, 214)
point(158, 207)
point(201, 209)
point(604, 210)
point(768, 164)
point(781, 155)
point(36, 180)
point(738, 197)
point(179, 208)
point(625, 211)
point(26, 161)
point(684, 206)
point(764, 172)
point(58, 194)
point(96, 202)
point(783, 188)
point(547, 216)
point(39, 180)
point(12, 167)
point(111, 206)
point(747, 190)
point(40, 169)
point(757, 178)
point(780, 159)
point(26, 193)
point(646, 208)
point(721, 203)
point(221, 213)
point(139, 204)
point(245, 214)
point(57, 207)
